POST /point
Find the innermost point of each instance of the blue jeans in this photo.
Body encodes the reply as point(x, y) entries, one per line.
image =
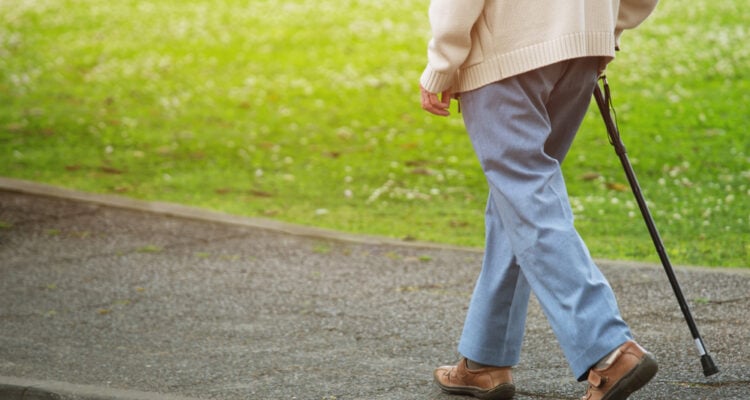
point(521, 129)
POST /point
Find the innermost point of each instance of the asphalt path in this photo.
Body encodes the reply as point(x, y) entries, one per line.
point(104, 297)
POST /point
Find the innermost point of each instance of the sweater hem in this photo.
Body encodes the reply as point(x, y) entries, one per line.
point(576, 45)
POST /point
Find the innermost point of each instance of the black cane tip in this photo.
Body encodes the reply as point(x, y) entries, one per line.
point(709, 368)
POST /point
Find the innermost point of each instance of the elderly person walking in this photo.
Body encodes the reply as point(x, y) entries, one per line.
point(524, 73)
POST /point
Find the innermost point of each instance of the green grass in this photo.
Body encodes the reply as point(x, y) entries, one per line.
point(307, 111)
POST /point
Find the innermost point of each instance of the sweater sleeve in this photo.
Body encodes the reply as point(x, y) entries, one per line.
point(631, 14)
point(451, 22)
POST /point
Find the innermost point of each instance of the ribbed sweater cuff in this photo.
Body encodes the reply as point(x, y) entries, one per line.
point(434, 81)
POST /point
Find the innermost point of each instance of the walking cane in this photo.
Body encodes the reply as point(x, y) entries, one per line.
point(604, 101)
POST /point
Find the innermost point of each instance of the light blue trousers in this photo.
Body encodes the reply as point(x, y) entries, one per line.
point(521, 129)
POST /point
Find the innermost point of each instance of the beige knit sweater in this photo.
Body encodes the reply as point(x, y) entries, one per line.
point(476, 42)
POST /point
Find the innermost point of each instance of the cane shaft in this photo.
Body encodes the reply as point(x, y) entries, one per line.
point(614, 136)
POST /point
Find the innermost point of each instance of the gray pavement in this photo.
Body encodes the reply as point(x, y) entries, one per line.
point(103, 297)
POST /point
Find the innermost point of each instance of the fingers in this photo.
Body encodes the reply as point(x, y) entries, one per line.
point(603, 66)
point(432, 104)
point(447, 96)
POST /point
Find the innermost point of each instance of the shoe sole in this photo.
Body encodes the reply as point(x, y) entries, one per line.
point(635, 379)
point(506, 391)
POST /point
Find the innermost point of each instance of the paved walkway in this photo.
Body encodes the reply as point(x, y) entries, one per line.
point(108, 298)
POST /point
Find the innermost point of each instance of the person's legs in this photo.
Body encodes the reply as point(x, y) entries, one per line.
point(495, 323)
point(521, 129)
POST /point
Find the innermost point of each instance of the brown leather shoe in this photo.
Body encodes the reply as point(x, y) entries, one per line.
point(632, 368)
point(488, 383)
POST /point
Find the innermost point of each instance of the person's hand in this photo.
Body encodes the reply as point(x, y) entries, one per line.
point(432, 104)
point(603, 62)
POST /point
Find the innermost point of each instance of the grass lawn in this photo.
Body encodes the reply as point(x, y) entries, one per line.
point(308, 111)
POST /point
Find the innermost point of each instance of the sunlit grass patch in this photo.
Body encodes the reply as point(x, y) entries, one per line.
point(307, 111)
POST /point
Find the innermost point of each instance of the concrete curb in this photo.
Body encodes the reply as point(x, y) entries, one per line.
point(25, 389)
point(178, 210)
point(195, 213)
